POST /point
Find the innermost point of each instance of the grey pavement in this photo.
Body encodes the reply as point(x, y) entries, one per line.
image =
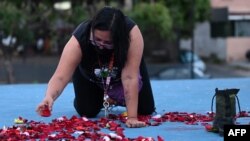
point(231, 70)
point(39, 69)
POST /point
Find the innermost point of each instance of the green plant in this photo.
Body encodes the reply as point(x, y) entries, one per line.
point(78, 14)
point(185, 13)
point(10, 18)
point(152, 17)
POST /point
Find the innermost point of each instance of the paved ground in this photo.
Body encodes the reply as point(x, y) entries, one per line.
point(31, 70)
point(239, 69)
point(39, 69)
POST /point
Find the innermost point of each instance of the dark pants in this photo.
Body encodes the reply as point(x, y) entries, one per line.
point(89, 97)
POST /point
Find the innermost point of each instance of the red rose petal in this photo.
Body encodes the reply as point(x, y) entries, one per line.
point(46, 112)
point(119, 131)
point(160, 138)
point(208, 127)
point(81, 128)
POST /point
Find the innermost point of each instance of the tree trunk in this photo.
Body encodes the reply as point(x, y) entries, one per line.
point(9, 69)
point(7, 52)
point(128, 5)
point(91, 7)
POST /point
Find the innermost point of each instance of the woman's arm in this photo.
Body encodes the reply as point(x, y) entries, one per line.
point(131, 71)
point(70, 58)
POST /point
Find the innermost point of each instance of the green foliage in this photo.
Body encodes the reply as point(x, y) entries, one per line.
point(15, 21)
point(10, 18)
point(152, 17)
point(185, 13)
point(202, 10)
point(78, 14)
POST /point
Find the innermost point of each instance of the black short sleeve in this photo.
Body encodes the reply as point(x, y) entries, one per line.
point(130, 23)
point(80, 30)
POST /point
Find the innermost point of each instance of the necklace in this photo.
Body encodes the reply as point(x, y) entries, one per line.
point(106, 83)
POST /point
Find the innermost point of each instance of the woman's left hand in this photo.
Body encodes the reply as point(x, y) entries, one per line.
point(135, 123)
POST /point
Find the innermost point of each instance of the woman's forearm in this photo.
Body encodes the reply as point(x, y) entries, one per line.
point(131, 91)
point(55, 87)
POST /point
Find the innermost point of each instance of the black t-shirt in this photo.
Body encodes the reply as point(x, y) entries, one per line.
point(92, 64)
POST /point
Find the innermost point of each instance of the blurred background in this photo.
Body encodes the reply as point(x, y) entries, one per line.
point(184, 39)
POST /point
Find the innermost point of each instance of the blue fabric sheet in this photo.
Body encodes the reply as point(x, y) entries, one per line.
point(170, 96)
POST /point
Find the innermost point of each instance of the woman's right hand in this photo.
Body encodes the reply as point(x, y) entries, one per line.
point(47, 102)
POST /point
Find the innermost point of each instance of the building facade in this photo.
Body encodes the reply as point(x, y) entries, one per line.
point(227, 35)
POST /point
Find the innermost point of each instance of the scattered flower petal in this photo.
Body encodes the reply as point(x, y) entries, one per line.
point(82, 128)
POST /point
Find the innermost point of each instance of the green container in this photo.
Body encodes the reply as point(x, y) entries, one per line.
point(225, 108)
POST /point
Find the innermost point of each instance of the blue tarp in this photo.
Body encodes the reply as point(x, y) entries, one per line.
point(170, 96)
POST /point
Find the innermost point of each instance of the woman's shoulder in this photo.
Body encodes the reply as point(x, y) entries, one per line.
point(81, 27)
point(130, 22)
point(80, 30)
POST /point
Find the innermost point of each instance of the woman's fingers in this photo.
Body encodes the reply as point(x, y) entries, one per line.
point(39, 108)
point(46, 104)
point(135, 124)
point(43, 106)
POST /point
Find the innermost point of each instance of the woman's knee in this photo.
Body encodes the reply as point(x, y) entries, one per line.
point(146, 111)
point(86, 111)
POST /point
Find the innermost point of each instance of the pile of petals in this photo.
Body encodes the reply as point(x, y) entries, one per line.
point(82, 128)
point(72, 129)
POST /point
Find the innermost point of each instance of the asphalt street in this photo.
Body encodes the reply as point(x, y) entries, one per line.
point(233, 70)
point(40, 69)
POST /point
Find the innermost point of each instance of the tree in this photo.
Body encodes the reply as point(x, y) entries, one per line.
point(155, 23)
point(19, 21)
point(184, 13)
point(152, 17)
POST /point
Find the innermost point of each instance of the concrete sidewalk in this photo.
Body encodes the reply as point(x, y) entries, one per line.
point(170, 96)
point(245, 65)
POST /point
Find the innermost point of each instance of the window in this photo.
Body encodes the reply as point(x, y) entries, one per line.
point(233, 28)
point(242, 28)
point(222, 29)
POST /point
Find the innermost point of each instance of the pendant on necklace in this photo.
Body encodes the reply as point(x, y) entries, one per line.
point(106, 106)
point(108, 80)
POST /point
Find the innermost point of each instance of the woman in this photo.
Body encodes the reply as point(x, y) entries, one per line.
point(104, 56)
